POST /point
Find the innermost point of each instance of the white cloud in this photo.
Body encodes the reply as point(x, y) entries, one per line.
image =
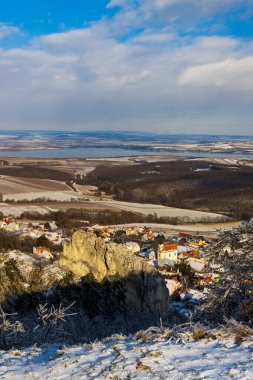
point(154, 79)
point(230, 73)
point(7, 30)
point(69, 37)
point(154, 37)
point(205, 5)
point(116, 3)
point(161, 4)
point(183, 15)
point(75, 80)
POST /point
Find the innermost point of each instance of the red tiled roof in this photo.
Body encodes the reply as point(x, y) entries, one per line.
point(169, 247)
point(183, 234)
point(7, 221)
point(42, 249)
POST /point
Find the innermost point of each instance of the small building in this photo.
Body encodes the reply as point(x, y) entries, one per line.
point(43, 252)
point(190, 253)
point(133, 247)
point(204, 281)
point(197, 243)
point(53, 225)
point(196, 264)
point(226, 250)
point(167, 251)
point(184, 235)
point(131, 231)
point(148, 234)
point(9, 225)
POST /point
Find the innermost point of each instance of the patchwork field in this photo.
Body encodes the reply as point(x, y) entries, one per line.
point(13, 185)
point(180, 191)
point(167, 212)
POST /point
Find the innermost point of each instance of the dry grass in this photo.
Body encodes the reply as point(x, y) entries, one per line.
point(141, 366)
point(199, 334)
point(192, 331)
point(238, 330)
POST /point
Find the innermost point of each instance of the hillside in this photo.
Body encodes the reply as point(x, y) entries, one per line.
point(188, 184)
point(121, 358)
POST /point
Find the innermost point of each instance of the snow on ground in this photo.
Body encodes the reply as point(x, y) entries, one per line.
point(16, 210)
point(163, 211)
point(60, 196)
point(190, 228)
point(122, 358)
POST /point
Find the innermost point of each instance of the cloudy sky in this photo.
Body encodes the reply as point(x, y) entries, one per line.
point(152, 65)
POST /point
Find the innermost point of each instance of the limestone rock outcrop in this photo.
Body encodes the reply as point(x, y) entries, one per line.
point(87, 254)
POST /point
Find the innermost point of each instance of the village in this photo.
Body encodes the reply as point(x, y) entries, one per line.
point(47, 236)
point(180, 258)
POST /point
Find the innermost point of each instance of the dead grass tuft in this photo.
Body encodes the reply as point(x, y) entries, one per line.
point(141, 366)
point(238, 339)
point(199, 334)
point(154, 354)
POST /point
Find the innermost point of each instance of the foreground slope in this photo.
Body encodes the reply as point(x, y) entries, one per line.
point(122, 358)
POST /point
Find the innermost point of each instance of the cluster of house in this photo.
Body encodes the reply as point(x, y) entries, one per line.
point(35, 231)
point(52, 233)
point(176, 257)
point(169, 255)
point(109, 232)
point(8, 224)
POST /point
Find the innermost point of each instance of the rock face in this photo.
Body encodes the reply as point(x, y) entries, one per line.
point(87, 254)
point(22, 274)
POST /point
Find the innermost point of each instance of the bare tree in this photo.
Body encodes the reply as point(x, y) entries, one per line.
point(232, 256)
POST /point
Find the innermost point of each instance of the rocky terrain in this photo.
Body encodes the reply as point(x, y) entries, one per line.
point(94, 281)
point(56, 316)
point(87, 254)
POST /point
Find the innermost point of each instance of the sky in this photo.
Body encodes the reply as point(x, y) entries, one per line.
point(174, 66)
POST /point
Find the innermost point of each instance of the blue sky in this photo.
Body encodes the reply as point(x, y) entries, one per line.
point(37, 17)
point(47, 16)
point(165, 65)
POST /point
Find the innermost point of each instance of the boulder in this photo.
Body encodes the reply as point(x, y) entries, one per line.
point(88, 254)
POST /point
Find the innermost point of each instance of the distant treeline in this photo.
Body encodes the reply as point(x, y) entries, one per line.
point(73, 218)
point(218, 188)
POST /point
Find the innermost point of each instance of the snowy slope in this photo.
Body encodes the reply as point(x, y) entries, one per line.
point(122, 358)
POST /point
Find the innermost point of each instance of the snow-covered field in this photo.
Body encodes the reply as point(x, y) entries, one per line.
point(190, 228)
point(163, 211)
point(121, 358)
point(17, 209)
point(60, 196)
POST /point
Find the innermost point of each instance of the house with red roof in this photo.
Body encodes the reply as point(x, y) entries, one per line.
point(168, 252)
point(44, 252)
